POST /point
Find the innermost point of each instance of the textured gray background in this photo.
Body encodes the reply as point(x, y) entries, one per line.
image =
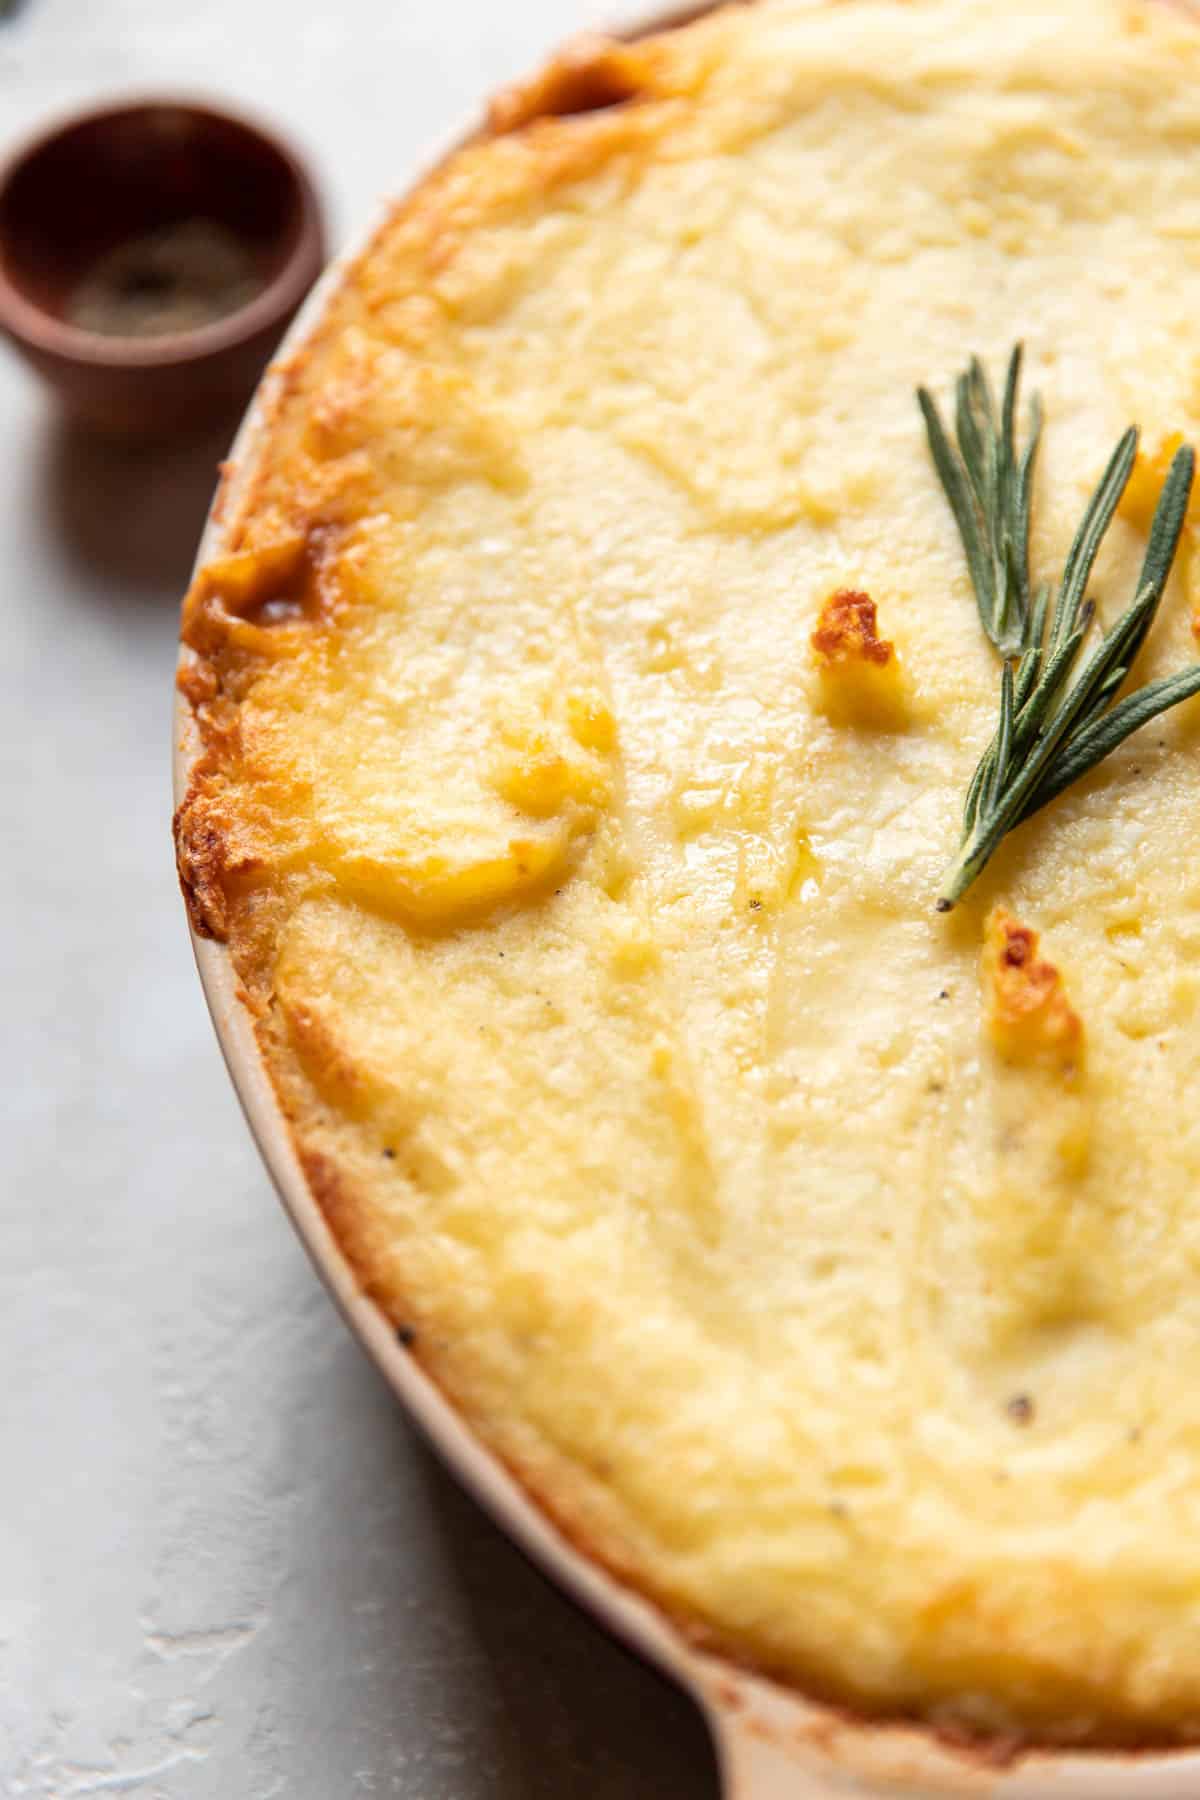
point(226, 1566)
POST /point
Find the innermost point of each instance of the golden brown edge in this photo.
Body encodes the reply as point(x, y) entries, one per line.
point(592, 76)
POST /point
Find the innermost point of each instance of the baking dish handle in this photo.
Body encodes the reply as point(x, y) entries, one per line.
point(756, 1764)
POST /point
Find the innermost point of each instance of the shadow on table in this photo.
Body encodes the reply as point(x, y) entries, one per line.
point(576, 1713)
point(131, 514)
point(469, 1676)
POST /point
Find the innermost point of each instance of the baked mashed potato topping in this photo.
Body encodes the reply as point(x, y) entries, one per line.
point(828, 1269)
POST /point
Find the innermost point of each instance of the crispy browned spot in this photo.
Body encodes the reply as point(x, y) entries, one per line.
point(284, 582)
point(200, 861)
point(848, 628)
point(1029, 1015)
point(591, 74)
point(862, 683)
point(241, 611)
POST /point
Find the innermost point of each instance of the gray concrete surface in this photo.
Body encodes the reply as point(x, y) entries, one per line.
point(227, 1568)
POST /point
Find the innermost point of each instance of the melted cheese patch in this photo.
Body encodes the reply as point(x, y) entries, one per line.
point(595, 951)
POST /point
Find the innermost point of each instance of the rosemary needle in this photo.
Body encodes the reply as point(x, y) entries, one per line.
point(1059, 712)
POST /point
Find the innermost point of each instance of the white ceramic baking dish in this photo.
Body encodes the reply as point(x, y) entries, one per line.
point(772, 1744)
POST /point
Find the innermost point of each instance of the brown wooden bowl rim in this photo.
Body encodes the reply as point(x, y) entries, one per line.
point(42, 331)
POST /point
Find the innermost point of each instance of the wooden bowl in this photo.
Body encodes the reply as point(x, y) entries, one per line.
point(113, 176)
point(772, 1743)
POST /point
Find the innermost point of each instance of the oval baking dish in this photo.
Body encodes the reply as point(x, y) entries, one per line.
point(774, 1740)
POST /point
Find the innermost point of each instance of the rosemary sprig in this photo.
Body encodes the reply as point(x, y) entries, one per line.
point(1059, 716)
point(989, 489)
